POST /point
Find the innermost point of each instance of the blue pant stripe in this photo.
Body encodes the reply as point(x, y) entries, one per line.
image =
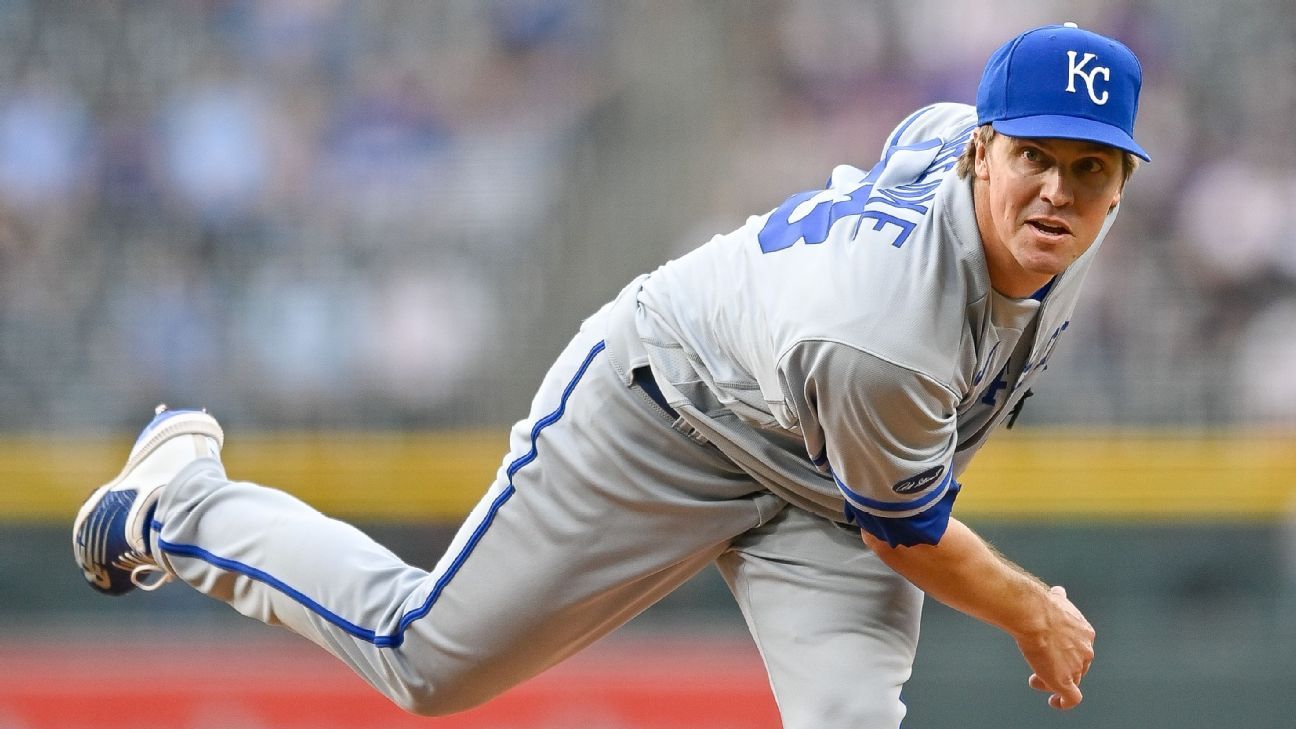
point(230, 565)
point(552, 418)
point(394, 639)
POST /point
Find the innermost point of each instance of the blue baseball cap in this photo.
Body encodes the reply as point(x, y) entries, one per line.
point(1065, 82)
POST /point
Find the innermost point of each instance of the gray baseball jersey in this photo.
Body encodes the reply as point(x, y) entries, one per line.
point(843, 354)
point(847, 348)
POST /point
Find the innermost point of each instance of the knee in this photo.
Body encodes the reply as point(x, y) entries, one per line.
point(429, 704)
point(441, 698)
point(429, 701)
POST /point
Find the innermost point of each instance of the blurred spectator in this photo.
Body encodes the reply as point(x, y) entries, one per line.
point(1241, 260)
point(46, 149)
point(295, 327)
point(323, 196)
point(1266, 355)
point(426, 335)
point(384, 149)
point(216, 155)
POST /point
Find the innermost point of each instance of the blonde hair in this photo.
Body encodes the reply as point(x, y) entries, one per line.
point(985, 134)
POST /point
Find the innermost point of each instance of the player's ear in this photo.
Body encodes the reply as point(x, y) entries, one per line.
point(980, 162)
point(1115, 200)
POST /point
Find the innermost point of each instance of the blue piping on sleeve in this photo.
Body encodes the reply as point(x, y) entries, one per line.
point(864, 502)
point(925, 527)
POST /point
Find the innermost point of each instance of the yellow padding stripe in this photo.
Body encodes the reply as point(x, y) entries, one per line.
point(1026, 474)
point(1114, 475)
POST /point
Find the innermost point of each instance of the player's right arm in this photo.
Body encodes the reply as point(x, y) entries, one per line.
point(965, 573)
point(887, 437)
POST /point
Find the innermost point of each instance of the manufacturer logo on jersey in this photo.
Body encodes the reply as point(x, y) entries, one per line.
point(919, 482)
point(1078, 69)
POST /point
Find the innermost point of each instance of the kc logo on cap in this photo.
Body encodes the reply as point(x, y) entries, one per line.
point(1064, 82)
point(1074, 69)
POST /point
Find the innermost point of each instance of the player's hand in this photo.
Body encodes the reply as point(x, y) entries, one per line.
point(1060, 652)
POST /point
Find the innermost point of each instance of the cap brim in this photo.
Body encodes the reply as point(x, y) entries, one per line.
point(1070, 127)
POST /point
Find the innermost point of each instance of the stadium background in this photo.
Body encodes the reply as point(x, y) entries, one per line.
point(360, 231)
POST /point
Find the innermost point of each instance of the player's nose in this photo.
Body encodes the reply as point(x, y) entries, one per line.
point(1055, 188)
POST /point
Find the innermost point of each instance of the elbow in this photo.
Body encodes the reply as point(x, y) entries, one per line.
point(877, 545)
point(888, 551)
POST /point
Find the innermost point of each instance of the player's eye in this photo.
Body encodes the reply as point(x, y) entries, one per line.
point(1030, 154)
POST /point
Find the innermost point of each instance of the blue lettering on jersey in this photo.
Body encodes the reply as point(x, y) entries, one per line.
point(782, 231)
point(980, 374)
point(884, 219)
point(902, 207)
point(1042, 362)
point(992, 392)
point(908, 197)
point(947, 159)
point(1000, 382)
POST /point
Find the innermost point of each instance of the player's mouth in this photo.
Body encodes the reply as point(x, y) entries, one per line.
point(1050, 228)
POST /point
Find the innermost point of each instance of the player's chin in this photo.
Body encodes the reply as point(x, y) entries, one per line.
point(1045, 263)
point(1047, 255)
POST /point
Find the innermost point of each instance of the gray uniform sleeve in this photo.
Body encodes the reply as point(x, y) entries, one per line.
point(886, 433)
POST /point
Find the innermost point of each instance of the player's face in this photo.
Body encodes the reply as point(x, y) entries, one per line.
point(1040, 204)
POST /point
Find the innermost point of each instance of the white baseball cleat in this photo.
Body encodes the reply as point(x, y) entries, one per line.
point(110, 534)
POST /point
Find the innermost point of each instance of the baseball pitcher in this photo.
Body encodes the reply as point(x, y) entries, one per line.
point(793, 401)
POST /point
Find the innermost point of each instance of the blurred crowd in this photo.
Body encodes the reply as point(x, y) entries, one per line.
point(336, 212)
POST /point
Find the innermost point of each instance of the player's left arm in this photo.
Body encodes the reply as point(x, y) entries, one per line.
point(967, 574)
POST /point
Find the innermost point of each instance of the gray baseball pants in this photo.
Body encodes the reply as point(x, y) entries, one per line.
point(602, 506)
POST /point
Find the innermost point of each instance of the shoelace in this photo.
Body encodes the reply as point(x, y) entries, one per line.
point(140, 566)
point(144, 569)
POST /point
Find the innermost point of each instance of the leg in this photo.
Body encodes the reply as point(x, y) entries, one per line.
point(600, 508)
point(837, 628)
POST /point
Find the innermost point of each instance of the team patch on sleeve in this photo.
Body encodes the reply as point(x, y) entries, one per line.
point(918, 483)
